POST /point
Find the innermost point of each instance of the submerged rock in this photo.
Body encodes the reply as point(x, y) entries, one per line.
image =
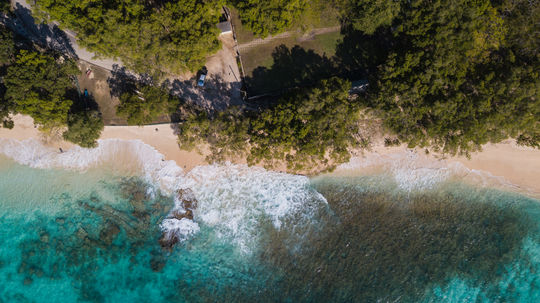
point(157, 262)
point(109, 233)
point(44, 237)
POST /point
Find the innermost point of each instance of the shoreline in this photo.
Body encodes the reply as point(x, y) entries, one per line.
point(517, 165)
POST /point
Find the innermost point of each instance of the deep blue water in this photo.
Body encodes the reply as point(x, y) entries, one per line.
point(91, 237)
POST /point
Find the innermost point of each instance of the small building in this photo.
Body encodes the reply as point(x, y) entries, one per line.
point(225, 27)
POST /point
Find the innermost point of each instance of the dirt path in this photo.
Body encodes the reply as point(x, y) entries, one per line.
point(308, 35)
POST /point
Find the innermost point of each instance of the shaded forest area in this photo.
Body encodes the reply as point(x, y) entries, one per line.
point(448, 76)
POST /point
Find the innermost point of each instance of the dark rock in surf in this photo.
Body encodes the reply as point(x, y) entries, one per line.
point(167, 243)
point(189, 204)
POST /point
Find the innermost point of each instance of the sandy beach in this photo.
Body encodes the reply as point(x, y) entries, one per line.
point(518, 165)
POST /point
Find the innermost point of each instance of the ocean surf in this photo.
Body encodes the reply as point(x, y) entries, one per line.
point(87, 225)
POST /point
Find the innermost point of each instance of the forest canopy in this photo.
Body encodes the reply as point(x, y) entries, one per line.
point(147, 36)
point(268, 17)
point(446, 75)
point(457, 74)
point(38, 85)
point(42, 85)
point(309, 129)
point(145, 104)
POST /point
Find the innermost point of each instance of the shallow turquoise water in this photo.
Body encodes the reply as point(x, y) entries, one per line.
point(91, 237)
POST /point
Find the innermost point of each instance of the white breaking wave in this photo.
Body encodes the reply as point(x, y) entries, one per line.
point(123, 155)
point(181, 229)
point(410, 170)
point(234, 199)
point(413, 170)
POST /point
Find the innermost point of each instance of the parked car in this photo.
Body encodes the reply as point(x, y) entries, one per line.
point(202, 78)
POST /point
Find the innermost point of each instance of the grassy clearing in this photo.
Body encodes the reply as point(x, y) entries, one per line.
point(263, 57)
point(318, 15)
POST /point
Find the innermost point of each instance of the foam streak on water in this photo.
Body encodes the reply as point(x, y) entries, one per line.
point(412, 170)
point(232, 198)
point(85, 225)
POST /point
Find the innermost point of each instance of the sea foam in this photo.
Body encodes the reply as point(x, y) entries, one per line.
point(232, 199)
point(412, 170)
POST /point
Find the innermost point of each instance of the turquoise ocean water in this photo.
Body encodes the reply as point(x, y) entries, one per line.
point(93, 236)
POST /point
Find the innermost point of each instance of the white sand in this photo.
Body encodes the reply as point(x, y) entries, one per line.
point(517, 165)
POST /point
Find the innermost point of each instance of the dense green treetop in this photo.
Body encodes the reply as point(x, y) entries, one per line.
point(451, 80)
point(368, 15)
point(84, 128)
point(5, 6)
point(521, 18)
point(148, 36)
point(7, 46)
point(146, 104)
point(265, 17)
point(37, 85)
point(7, 53)
point(310, 129)
point(226, 134)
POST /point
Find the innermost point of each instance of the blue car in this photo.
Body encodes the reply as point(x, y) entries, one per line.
point(202, 77)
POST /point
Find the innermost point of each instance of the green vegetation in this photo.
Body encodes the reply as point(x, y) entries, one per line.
point(41, 85)
point(84, 128)
point(145, 104)
point(153, 37)
point(368, 15)
point(454, 78)
point(226, 133)
point(444, 75)
point(264, 17)
point(7, 50)
point(5, 6)
point(38, 84)
point(288, 68)
point(308, 127)
point(7, 46)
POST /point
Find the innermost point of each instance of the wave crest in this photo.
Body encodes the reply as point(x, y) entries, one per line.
point(232, 199)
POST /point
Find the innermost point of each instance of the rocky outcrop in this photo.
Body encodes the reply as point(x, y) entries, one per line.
point(188, 204)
